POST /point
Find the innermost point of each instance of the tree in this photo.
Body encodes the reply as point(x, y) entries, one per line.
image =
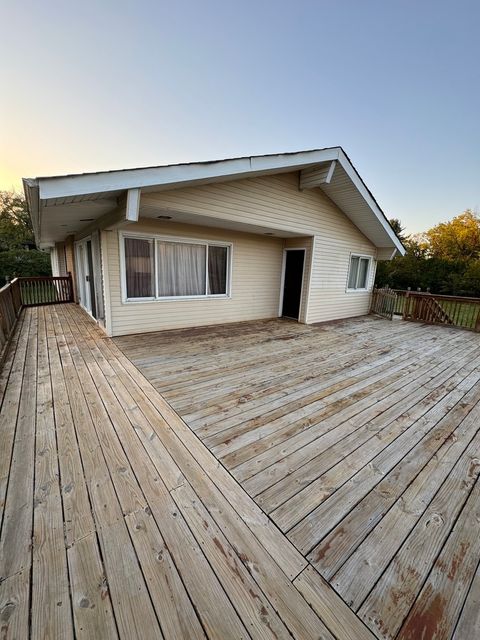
point(457, 239)
point(23, 262)
point(15, 225)
point(18, 257)
point(444, 259)
point(398, 228)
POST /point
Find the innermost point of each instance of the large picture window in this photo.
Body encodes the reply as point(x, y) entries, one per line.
point(358, 272)
point(159, 268)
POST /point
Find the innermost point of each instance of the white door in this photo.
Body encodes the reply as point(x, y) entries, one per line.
point(84, 275)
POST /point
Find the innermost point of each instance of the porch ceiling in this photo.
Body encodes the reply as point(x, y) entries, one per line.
point(185, 217)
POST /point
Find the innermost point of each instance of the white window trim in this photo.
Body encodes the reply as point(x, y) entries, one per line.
point(359, 255)
point(154, 236)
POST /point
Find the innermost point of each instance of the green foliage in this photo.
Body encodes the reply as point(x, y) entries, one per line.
point(15, 224)
point(457, 239)
point(16, 237)
point(21, 262)
point(398, 228)
point(445, 259)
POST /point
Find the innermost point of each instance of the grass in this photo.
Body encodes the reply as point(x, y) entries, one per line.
point(462, 314)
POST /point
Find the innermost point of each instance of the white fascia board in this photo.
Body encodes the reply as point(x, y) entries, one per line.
point(355, 178)
point(137, 178)
point(67, 186)
point(103, 182)
point(32, 196)
point(283, 161)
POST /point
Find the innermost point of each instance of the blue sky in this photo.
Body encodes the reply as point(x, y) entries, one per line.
point(104, 85)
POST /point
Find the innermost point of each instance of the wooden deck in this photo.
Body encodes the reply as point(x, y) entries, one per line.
point(116, 521)
point(361, 441)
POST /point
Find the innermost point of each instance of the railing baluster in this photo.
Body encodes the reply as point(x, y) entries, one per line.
point(430, 308)
point(40, 290)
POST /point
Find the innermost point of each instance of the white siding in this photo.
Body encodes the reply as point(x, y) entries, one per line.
point(276, 202)
point(256, 271)
point(329, 299)
point(273, 202)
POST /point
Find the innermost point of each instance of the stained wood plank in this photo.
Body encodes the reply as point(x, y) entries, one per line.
point(341, 621)
point(437, 608)
point(169, 595)
point(356, 577)
point(392, 597)
point(469, 622)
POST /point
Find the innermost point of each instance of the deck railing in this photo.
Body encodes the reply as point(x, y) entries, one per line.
point(30, 292)
point(383, 302)
point(10, 306)
point(46, 290)
point(430, 308)
point(419, 306)
point(400, 301)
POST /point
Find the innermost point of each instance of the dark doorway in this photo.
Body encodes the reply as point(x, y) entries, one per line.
point(292, 284)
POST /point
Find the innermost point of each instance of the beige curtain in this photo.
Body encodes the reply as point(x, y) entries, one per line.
point(139, 268)
point(217, 270)
point(181, 269)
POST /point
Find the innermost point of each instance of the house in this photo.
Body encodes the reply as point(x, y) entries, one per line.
point(174, 246)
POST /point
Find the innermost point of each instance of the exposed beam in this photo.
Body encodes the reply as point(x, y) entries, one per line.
point(126, 212)
point(316, 176)
point(132, 205)
point(109, 221)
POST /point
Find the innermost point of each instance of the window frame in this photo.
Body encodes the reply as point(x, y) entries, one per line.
point(367, 275)
point(154, 237)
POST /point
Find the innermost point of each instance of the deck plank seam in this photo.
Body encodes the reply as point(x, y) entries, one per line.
point(115, 489)
point(334, 463)
point(125, 515)
point(419, 590)
point(380, 480)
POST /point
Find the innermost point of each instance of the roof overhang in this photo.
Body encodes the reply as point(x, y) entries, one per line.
point(64, 205)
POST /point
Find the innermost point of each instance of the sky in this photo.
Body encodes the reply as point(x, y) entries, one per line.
point(97, 85)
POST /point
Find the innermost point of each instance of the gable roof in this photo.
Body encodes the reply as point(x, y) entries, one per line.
point(68, 203)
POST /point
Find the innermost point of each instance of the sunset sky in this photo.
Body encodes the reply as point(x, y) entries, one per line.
point(109, 85)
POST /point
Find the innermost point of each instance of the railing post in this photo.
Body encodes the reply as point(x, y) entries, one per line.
point(70, 287)
point(406, 304)
point(477, 322)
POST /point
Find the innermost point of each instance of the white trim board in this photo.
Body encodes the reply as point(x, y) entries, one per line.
point(61, 190)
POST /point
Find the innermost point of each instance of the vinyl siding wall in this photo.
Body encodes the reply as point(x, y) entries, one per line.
point(329, 299)
point(273, 202)
point(256, 270)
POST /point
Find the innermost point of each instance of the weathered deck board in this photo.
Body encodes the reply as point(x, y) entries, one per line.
point(117, 521)
point(360, 440)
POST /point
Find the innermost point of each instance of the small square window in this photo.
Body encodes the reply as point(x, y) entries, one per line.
point(358, 272)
